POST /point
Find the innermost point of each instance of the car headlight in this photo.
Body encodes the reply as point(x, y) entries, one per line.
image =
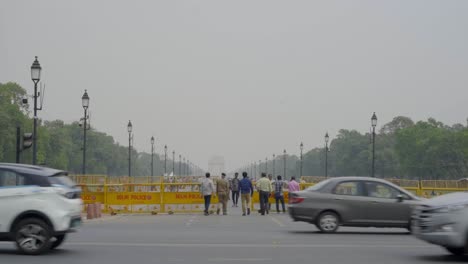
point(450, 208)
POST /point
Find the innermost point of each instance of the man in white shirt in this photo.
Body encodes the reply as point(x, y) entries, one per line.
point(207, 189)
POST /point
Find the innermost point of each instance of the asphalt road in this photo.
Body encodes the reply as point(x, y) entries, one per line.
point(230, 239)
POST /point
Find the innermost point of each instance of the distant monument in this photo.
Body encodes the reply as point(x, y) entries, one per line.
point(216, 165)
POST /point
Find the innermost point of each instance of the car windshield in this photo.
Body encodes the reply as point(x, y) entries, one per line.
point(318, 186)
point(62, 180)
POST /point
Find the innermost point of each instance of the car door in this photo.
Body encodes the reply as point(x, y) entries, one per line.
point(11, 195)
point(385, 209)
point(349, 200)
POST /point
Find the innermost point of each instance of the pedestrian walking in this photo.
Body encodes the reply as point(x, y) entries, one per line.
point(264, 191)
point(279, 195)
point(207, 189)
point(246, 190)
point(235, 190)
point(293, 185)
point(222, 190)
point(270, 177)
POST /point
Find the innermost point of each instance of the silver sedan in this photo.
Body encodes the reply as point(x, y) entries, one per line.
point(353, 201)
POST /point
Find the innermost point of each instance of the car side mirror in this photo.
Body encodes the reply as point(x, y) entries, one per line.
point(400, 198)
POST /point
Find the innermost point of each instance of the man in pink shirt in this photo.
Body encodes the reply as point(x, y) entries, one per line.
point(293, 185)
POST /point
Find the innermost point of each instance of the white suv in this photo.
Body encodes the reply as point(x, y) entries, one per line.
point(38, 207)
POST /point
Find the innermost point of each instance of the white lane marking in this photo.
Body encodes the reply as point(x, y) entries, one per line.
point(126, 244)
point(277, 221)
point(239, 259)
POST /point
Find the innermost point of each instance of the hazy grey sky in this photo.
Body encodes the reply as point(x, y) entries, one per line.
point(242, 79)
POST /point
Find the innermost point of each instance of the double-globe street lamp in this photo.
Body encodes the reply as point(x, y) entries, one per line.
point(85, 104)
point(374, 124)
point(129, 129)
point(326, 154)
point(36, 77)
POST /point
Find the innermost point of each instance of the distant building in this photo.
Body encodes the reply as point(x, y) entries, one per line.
point(216, 165)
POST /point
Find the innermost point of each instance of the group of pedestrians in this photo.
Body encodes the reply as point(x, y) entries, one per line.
point(245, 189)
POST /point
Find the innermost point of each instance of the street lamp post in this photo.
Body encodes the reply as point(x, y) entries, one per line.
point(326, 154)
point(255, 170)
point(173, 162)
point(36, 77)
point(129, 129)
point(185, 168)
point(165, 160)
point(152, 156)
point(180, 164)
point(284, 157)
point(266, 166)
point(85, 104)
point(302, 148)
point(374, 124)
point(274, 167)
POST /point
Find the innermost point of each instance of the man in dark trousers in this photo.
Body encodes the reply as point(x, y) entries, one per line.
point(264, 190)
point(279, 196)
point(235, 189)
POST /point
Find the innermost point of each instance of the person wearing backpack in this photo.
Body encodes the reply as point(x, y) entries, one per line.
point(279, 184)
point(235, 190)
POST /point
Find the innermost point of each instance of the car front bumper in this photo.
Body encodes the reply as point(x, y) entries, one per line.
point(448, 229)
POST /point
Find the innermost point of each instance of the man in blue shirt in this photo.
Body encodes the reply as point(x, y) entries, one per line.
point(246, 190)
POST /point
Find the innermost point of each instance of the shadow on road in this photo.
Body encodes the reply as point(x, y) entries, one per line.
point(56, 252)
point(444, 259)
point(351, 233)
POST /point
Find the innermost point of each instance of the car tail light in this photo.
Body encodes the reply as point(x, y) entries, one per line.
point(296, 200)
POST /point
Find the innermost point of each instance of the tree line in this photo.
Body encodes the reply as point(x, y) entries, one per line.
point(403, 149)
point(428, 150)
point(60, 144)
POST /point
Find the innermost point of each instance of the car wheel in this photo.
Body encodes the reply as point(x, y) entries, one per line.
point(328, 222)
point(32, 236)
point(458, 251)
point(57, 241)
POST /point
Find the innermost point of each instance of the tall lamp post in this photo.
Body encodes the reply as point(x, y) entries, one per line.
point(326, 154)
point(274, 167)
point(374, 124)
point(255, 170)
point(266, 166)
point(185, 168)
point(152, 156)
point(180, 164)
point(36, 77)
point(165, 160)
point(284, 160)
point(85, 104)
point(301, 146)
point(129, 129)
point(173, 162)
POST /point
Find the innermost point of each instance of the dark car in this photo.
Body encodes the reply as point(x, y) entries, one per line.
point(353, 201)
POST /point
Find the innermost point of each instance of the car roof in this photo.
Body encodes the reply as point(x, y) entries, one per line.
point(358, 178)
point(32, 169)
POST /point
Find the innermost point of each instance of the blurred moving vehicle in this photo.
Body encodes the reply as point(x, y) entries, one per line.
point(38, 207)
point(443, 221)
point(353, 201)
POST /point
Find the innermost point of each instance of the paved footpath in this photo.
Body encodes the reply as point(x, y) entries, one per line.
point(194, 238)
